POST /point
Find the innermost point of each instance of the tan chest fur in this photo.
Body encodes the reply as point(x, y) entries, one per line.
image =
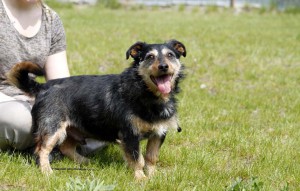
point(160, 128)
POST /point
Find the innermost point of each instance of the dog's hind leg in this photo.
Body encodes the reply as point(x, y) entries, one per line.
point(68, 148)
point(43, 150)
point(133, 156)
point(45, 144)
point(152, 150)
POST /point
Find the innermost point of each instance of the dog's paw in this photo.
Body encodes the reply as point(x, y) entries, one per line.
point(139, 175)
point(150, 170)
point(46, 170)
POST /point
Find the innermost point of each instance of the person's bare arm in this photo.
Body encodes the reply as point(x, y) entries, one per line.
point(57, 66)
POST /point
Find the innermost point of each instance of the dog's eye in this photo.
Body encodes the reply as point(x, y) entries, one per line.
point(150, 57)
point(170, 55)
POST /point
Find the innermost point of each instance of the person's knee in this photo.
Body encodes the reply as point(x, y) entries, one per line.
point(16, 123)
point(17, 114)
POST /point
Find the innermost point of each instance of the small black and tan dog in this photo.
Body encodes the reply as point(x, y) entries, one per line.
point(137, 104)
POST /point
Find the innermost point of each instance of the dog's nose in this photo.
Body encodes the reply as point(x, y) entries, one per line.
point(163, 67)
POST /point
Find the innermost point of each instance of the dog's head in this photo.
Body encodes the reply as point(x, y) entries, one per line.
point(158, 65)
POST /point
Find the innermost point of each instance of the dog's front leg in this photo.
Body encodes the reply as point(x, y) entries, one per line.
point(133, 156)
point(152, 150)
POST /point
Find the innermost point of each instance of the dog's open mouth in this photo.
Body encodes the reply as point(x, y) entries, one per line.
point(163, 83)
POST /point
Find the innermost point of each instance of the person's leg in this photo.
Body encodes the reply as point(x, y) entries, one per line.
point(15, 128)
point(15, 125)
point(91, 146)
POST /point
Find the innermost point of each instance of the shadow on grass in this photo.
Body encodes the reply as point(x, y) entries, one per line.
point(109, 155)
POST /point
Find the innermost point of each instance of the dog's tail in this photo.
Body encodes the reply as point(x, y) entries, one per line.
point(19, 77)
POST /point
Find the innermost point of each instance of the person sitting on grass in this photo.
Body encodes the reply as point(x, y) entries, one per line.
point(29, 31)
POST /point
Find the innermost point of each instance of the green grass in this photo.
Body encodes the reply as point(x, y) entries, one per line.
point(239, 107)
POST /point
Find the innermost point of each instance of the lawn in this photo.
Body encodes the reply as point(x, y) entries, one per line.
point(239, 107)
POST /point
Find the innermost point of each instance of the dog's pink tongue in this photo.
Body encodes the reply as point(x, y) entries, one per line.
point(164, 84)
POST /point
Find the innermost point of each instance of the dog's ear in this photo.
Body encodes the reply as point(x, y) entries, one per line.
point(135, 50)
point(178, 46)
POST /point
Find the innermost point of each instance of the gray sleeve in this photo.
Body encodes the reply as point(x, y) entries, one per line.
point(58, 36)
